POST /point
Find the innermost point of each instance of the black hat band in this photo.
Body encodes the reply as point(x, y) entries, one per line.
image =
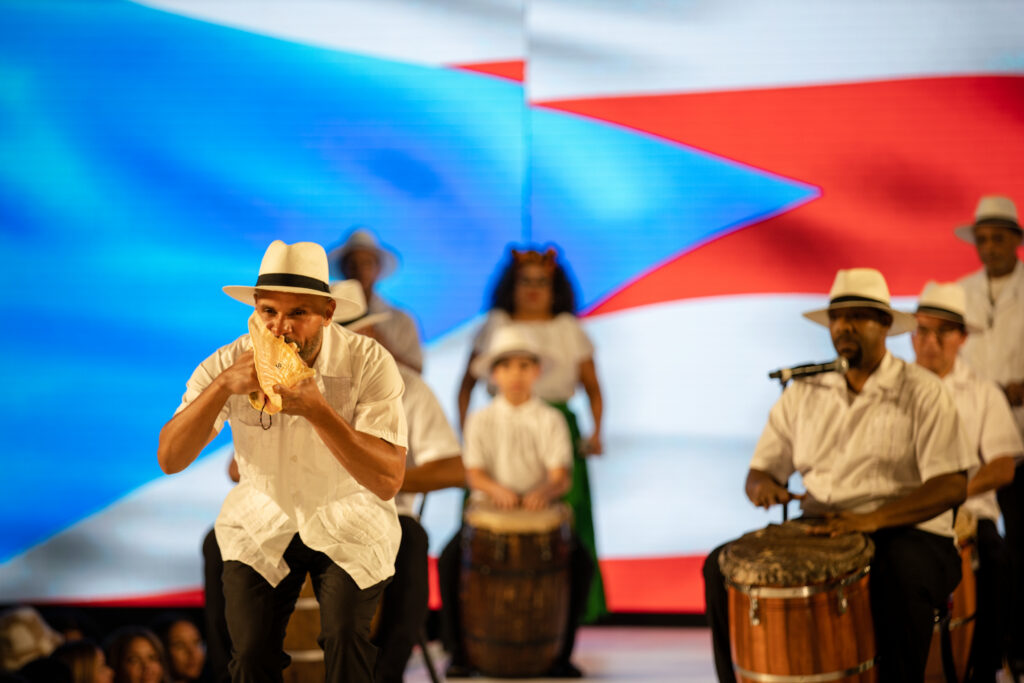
point(292, 280)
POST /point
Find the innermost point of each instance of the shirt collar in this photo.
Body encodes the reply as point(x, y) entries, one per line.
point(502, 404)
point(331, 359)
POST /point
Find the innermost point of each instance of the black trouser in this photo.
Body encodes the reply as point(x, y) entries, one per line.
point(1011, 501)
point(403, 610)
point(218, 642)
point(912, 574)
point(449, 565)
point(993, 613)
point(257, 615)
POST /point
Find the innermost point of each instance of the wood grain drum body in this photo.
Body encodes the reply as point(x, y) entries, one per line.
point(799, 608)
point(514, 588)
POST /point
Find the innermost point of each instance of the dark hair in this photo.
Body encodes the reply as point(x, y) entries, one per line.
point(118, 642)
point(80, 658)
point(562, 285)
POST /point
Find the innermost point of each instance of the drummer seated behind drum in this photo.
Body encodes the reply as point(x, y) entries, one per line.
point(516, 454)
point(879, 452)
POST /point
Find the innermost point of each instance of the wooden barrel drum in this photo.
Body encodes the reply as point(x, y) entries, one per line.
point(514, 588)
point(962, 608)
point(799, 608)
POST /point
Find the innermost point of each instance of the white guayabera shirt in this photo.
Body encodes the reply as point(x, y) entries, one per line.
point(901, 430)
point(989, 428)
point(290, 481)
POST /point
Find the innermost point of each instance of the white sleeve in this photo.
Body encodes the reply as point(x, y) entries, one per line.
point(208, 370)
point(576, 338)
point(474, 451)
point(430, 436)
point(379, 408)
point(938, 440)
point(495, 319)
point(999, 433)
point(774, 451)
point(559, 442)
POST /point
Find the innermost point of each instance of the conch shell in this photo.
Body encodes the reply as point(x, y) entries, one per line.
point(277, 362)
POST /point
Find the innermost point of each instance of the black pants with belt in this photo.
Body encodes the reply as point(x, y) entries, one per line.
point(258, 613)
point(404, 605)
point(912, 574)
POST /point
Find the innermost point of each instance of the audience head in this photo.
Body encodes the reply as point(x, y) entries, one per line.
point(186, 653)
point(136, 656)
point(85, 661)
point(24, 637)
point(534, 284)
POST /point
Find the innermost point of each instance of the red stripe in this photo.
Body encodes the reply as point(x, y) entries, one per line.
point(184, 598)
point(900, 164)
point(513, 70)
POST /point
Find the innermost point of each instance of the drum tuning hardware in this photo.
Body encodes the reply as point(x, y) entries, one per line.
point(843, 602)
point(755, 612)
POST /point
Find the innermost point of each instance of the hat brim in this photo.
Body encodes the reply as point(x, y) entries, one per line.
point(951, 317)
point(387, 258)
point(364, 322)
point(346, 308)
point(482, 364)
point(966, 232)
point(901, 322)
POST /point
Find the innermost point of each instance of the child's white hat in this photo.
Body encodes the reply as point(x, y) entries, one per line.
point(510, 340)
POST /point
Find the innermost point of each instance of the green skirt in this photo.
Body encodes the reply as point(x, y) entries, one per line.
point(578, 499)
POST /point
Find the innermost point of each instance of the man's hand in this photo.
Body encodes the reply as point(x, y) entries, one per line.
point(1014, 393)
point(504, 499)
point(765, 493)
point(844, 523)
point(304, 399)
point(241, 378)
point(535, 500)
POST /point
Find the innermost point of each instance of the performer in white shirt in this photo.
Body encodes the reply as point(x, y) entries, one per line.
point(995, 304)
point(433, 462)
point(880, 452)
point(361, 257)
point(992, 435)
point(316, 481)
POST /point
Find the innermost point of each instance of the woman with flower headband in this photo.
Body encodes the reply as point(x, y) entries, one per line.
point(535, 293)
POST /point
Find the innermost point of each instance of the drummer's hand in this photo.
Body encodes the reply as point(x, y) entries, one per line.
point(535, 500)
point(504, 499)
point(844, 523)
point(767, 493)
point(592, 446)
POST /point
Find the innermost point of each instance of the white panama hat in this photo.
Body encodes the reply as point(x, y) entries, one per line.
point(361, 318)
point(361, 238)
point(945, 300)
point(299, 268)
point(991, 208)
point(509, 340)
point(862, 288)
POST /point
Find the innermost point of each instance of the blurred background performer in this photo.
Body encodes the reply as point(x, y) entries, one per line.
point(992, 435)
point(433, 462)
point(535, 294)
point(995, 303)
point(868, 466)
point(517, 455)
point(316, 481)
point(361, 257)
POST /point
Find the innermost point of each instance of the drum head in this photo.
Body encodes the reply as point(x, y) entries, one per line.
point(785, 555)
point(484, 516)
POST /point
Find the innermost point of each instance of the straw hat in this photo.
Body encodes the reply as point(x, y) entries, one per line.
point(992, 208)
point(362, 318)
point(945, 300)
point(509, 340)
point(361, 238)
point(299, 268)
point(862, 288)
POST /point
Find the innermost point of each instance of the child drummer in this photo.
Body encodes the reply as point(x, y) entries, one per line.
point(517, 456)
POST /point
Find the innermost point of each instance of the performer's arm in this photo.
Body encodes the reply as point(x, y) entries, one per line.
point(992, 475)
point(588, 377)
point(928, 500)
point(436, 474)
point(466, 391)
point(479, 480)
point(183, 438)
point(551, 489)
point(763, 491)
point(375, 463)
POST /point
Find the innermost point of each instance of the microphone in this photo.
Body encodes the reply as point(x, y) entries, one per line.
point(840, 365)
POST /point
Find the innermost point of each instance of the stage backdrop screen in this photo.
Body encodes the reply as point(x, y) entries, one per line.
point(703, 168)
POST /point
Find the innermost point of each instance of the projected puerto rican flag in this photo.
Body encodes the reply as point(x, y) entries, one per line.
point(705, 170)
